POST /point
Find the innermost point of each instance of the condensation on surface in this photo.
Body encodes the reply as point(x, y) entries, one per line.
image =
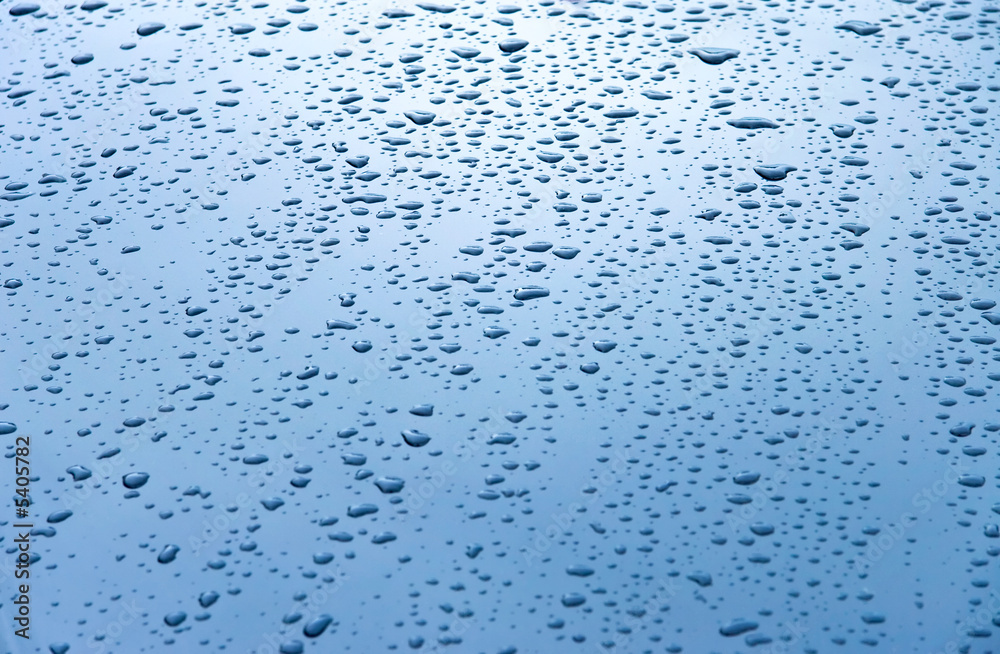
point(552, 327)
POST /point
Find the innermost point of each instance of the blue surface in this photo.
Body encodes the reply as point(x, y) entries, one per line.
point(557, 327)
